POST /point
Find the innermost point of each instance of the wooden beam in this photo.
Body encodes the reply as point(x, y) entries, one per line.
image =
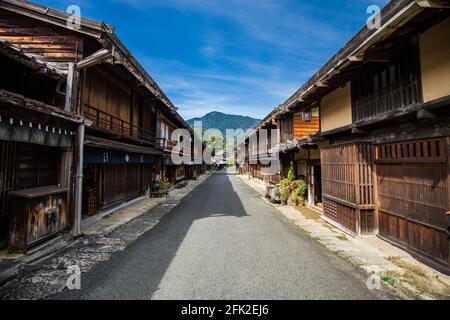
point(357, 131)
point(94, 59)
point(425, 114)
point(377, 57)
point(371, 57)
point(321, 84)
point(356, 58)
point(435, 4)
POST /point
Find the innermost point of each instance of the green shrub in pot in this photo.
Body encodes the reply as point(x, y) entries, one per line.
point(284, 196)
point(301, 189)
point(291, 174)
point(295, 198)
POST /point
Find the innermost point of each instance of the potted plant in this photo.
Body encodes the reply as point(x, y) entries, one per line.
point(285, 184)
point(284, 196)
point(158, 188)
point(284, 191)
point(295, 198)
point(291, 174)
point(302, 188)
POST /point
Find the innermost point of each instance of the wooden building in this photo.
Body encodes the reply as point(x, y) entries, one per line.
point(294, 146)
point(86, 116)
point(384, 130)
point(36, 150)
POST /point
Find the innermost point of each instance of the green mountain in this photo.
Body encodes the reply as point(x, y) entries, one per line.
point(222, 122)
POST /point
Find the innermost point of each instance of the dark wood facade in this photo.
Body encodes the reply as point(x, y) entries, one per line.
point(65, 93)
point(348, 186)
point(384, 131)
point(36, 143)
point(122, 119)
point(409, 155)
point(380, 88)
point(413, 189)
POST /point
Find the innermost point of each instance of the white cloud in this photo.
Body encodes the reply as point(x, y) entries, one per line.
point(196, 91)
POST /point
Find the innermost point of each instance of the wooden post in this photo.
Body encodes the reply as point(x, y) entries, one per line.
point(73, 104)
point(132, 124)
point(448, 197)
point(280, 162)
point(65, 168)
point(448, 175)
point(71, 88)
point(357, 186)
point(64, 179)
point(376, 213)
point(311, 183)
point(78, 192)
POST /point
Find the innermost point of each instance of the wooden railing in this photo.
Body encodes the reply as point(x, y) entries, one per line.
point(378, 89)
point(391, 98)
point(103, 120)
point(166, 144)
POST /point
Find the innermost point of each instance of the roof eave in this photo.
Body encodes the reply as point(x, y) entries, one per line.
point(100, 31)
point(34, 63)
point(396, 14)
point(55, 17)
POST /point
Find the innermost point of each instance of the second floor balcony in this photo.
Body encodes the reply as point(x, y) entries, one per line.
point(119, 127)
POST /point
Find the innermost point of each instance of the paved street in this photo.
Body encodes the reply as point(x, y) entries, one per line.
point(224, 242)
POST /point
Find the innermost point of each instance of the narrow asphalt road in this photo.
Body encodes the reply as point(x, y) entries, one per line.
point(224, 242)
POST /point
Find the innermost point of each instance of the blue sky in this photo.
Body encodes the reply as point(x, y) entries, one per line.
point(235, 56)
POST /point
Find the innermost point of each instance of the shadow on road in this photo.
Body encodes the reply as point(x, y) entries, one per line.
point(137, 272)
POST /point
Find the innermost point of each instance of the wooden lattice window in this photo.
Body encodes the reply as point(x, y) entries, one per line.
point(382, 87)
point(412, 181)
point(347, 173)
point(342, 214)
point(430, 151)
